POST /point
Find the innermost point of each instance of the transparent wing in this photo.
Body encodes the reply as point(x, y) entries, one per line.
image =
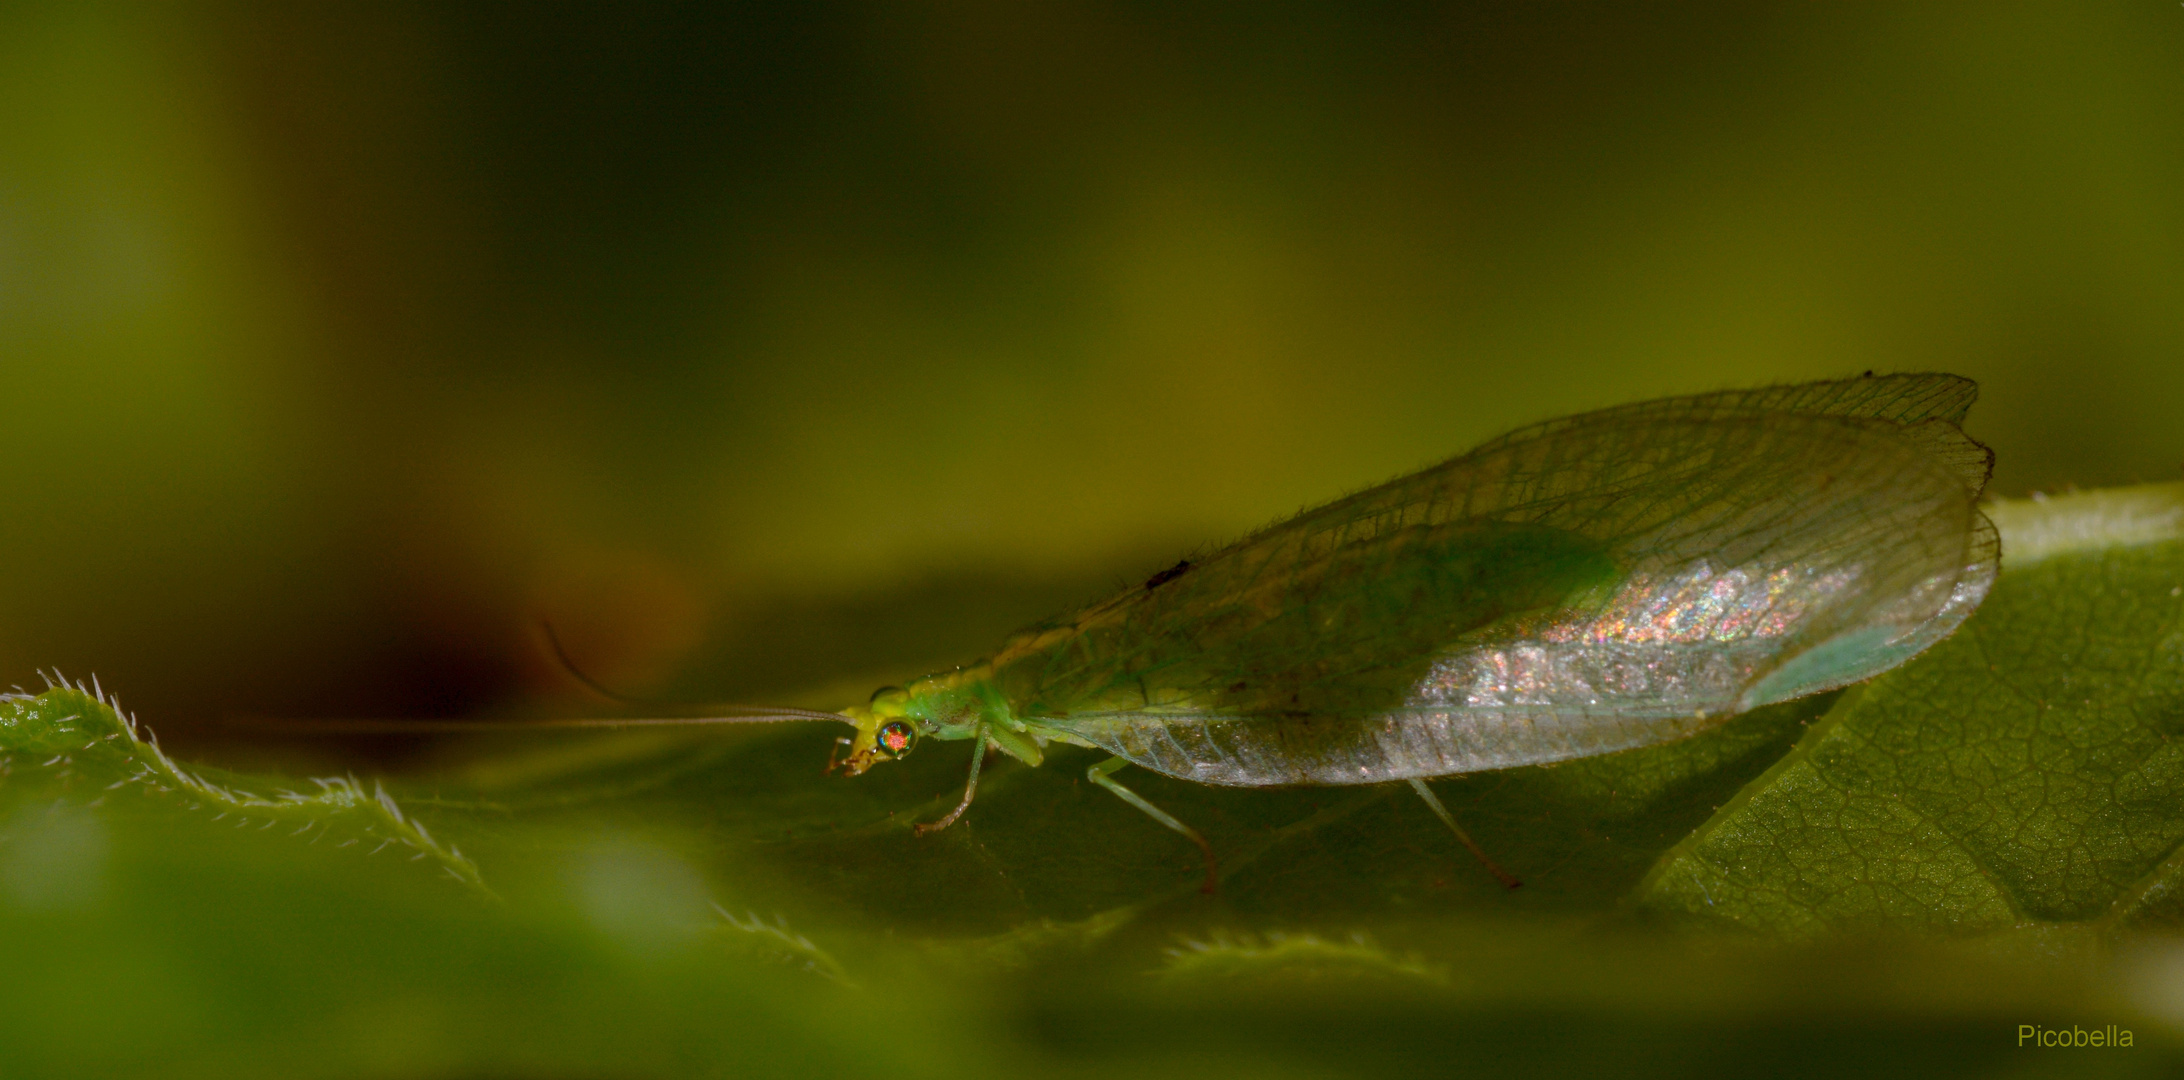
point(1605, 581)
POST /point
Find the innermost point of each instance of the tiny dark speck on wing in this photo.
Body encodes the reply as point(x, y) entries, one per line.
point(1168, 575)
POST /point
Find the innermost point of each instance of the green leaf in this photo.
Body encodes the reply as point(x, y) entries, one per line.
point(1982, 839)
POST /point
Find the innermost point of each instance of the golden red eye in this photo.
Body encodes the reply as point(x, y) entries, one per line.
point(896, 738)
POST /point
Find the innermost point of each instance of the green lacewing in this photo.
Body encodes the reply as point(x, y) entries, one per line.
point(1606, 581)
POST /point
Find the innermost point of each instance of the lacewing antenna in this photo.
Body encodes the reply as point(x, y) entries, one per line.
point(714, 714)
point(720, 714)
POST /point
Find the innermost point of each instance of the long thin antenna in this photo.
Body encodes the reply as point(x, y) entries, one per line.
point(712, 714)
point(731, 714)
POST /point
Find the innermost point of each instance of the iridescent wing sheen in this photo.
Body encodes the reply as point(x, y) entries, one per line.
point(1605, 581)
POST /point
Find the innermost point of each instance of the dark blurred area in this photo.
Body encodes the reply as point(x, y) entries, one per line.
point(768, 350)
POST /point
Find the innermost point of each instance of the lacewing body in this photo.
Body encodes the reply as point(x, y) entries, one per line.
point(1605, 581)
point(1610, 580)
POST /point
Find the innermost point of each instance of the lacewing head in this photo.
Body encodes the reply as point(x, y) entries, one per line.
point(884, 732)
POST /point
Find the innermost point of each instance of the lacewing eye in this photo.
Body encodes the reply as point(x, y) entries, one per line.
point(896, 738)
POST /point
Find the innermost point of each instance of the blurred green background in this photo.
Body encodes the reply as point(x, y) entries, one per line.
point(769, 349)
